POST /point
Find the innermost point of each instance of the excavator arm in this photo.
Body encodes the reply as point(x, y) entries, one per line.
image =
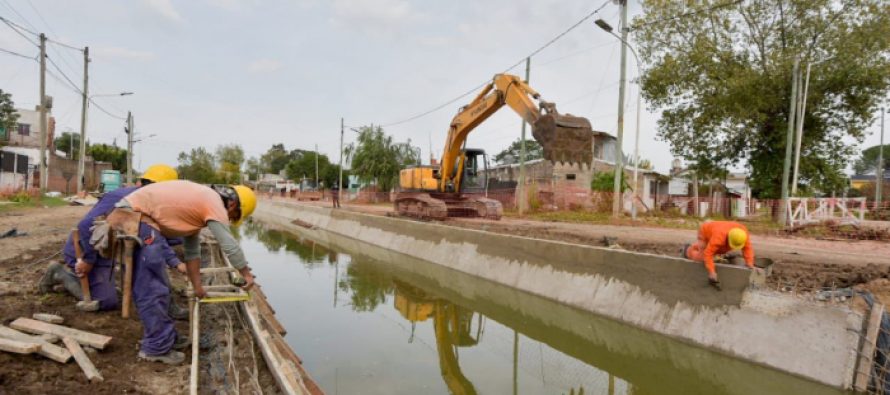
point(564, 138)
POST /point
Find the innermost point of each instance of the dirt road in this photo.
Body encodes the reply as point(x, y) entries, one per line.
point(802, 264)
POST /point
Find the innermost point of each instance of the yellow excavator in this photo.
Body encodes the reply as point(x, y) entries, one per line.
point(458, 186)
point(452, 325)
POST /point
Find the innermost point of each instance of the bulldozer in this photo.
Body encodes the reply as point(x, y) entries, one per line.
point(458, 186)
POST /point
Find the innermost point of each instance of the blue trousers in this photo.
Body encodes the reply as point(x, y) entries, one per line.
point(151, 292)
point(101, 278)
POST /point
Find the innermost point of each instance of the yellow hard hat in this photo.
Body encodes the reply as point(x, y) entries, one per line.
point(737, 238)
point(247, 199)
point(160, 173)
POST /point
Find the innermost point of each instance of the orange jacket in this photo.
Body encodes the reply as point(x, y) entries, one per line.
point(714, 234)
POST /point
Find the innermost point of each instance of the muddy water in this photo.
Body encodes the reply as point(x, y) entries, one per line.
point(393, 325)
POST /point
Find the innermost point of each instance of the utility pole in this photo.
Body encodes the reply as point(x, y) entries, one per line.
point(83, 120)
point(789, 140)
point(42, 166)
point(523, 199)
point(316, 166)
point(617, 199)
point(130, 133)
point(340, 178)
point(802, 108)
point(879, 175)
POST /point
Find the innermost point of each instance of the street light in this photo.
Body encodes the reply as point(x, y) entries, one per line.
point(608, 29)
point(83, 131)
point(139, 141)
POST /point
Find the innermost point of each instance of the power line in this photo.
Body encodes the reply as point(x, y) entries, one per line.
point(519, 62)
point(15, 27)
point(122, 118)
point(34, 58)
point(23, 18)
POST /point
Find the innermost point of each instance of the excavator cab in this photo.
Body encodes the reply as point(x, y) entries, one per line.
point(475, 175)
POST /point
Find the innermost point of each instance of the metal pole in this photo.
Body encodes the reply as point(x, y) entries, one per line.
point(636, 146)
point(316, 166)
point(130, 134)
point(43, 131)
point(879, 175)
point(83, 120)
point(619, 154)
point(523, 199)
point(800, 119)
point(789, 141)
point(340, 179)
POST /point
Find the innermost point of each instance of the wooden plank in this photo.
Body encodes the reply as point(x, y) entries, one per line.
point(867, 352)
point(47, 349)
point(224, 288)
point(83, 360)
point(18, 346)
point(51, 318)
point(208, 270)
point(94, 340)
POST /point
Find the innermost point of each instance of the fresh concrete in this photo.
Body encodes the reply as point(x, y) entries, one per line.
point(660, 294)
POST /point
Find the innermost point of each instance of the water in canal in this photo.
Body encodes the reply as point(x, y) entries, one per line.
point(365, 322)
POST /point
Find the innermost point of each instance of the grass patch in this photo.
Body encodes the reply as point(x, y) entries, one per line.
point(34, 202)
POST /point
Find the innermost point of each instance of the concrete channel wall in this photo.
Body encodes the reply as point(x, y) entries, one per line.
point(654, 293)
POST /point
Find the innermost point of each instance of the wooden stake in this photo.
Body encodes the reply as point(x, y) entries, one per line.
point(863, 372)
point(18, 347)
point(81, 357)
point(196, 315)
point(88, 338)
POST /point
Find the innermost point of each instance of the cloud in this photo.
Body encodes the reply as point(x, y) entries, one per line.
point(373, 16)
point(231, 5)
point(165, 8)
point(123, 53)
point(264, 66)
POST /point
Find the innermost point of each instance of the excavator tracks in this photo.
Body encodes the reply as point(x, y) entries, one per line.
point(439, 206)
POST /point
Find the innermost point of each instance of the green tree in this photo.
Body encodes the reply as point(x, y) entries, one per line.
point(304, 166)
point(375, 157)
point(604, 181)
point(868, 161)
point(511, 155)
point(113, 154)
point(197, 165)
point(253, 168)
point(720, 72)
point(230, 157)
point(8, 116)
point(63, 143)
point(275, 159)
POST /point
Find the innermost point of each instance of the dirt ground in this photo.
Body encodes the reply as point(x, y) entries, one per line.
point(801, 264)
point(229, 362)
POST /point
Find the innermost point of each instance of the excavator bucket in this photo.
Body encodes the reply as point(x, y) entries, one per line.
point(564, 138)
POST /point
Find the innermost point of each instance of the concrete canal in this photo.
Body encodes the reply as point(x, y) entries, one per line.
point(405, 326)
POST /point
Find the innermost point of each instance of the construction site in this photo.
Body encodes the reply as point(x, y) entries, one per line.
point(509, 238)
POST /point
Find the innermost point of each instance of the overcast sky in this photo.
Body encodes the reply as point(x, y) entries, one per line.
point(256, 73)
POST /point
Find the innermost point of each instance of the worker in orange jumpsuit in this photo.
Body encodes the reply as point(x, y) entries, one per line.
point(720, 238)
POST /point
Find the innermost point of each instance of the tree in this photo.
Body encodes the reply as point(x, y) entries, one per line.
point(197, 165)
point(304, 166)
point(511, 155)
point(8, 115)
point(113, 154)
point(721, 74)
point(63, 143)
point(375, 157)
point(230, 158)
point(252, 167)
point(868, 161)
point(604, 181)
point(275, 159)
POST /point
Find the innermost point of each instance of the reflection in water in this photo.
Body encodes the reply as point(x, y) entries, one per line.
point(405, 326)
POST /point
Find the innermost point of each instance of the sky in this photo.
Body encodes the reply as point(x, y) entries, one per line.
point(261, 72)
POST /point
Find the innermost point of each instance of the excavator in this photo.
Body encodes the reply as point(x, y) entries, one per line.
point(458, 186)
point(452, 326)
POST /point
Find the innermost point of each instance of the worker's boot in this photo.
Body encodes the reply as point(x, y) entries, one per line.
point(171, 358)
point(176, 311)
point(56, 273)
point(683, 252)
point(182, 342)
point(89, 307)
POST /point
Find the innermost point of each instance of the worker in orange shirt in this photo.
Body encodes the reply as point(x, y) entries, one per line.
point(719, 238)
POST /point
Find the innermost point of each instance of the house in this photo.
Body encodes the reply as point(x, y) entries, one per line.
point(21, 155)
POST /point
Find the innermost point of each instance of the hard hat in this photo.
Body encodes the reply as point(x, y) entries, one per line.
point(160, 173)
point(247, 200)
point(737, 238)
